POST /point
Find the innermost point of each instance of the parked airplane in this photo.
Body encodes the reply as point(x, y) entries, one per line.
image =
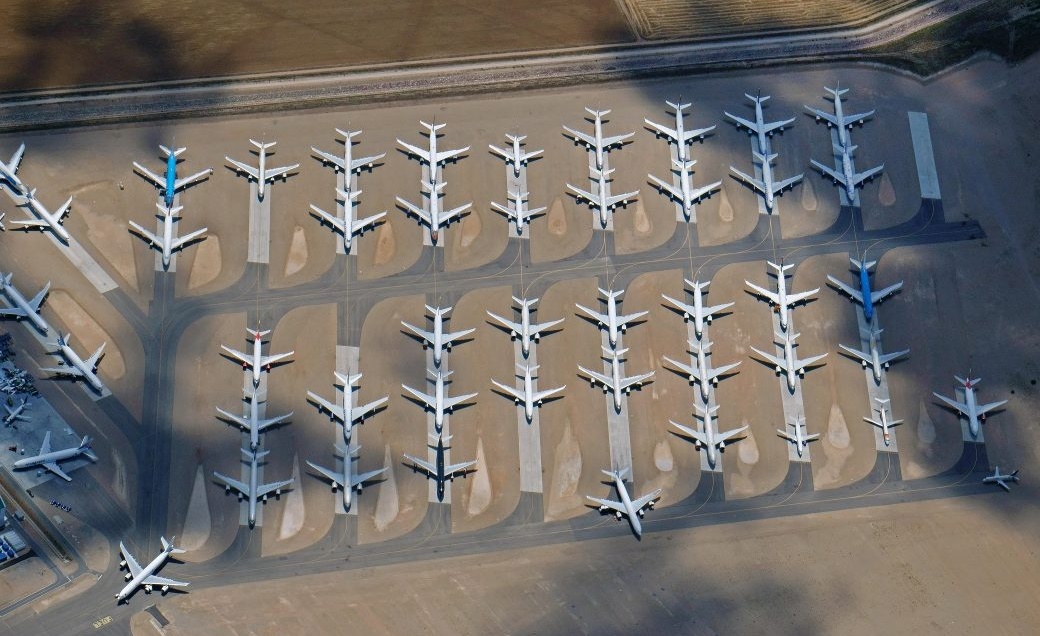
point(679, 135)
point(17, 413)
point(9, 171)
point(703, 374)
point(169, 185)
point(262, 174)
point(626, 507)
point(616, 383)
point(1001, 479)
point(839, 120)
point(437, 217)
point(167, 244)
point(790, 365)
point(759, 126)
point(684, 194)
point(799, 439)
point(253, 491)
point(346, 413)
point(769, 188)
point(516, 156)
point(864, 296)
point(439, 471)
point(22, 308)
point(706, 437)
point(347, 225)
point(597, 142)
point(874, 358)
point(526, 331)
point(432, 157)
point(49, 459)
point(439, 402)
point(348, 164)
point(600, 201)
point(781, 299)
point(971, 409)
point(349, 479)
point(254, 424)
point(138, 576)
point(697, 311)
point(438, 339)
point(883, 422)
point(526, 395)
point(76, 367)
point(519, 214)
point(46, 220)
point(256, 361)
point(848, 177)
point(615, 323)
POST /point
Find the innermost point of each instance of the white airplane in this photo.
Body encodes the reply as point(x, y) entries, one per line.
point(254, 424)
point(766, 186)
point(256, 361)
point(597, 142)
point(848, 177)
point(679, 135)
point(519, 214)
point(432, 157)
point(760, 127)
point(9, 171)
point(706, 437)
point(437, 217)
point(703, 374)
point(347, 164)
point(684, 194)
point(526, 395)
point(49, 459)
point(439, 402)
point(22, 308)
point(599, 201)
point(439, 471)
point(874, 358)
point(438, 339)
point(616, 383)
point(349, 480)
point(516, 156)
point(971, 409)
point(262, 174)
point(790, 365)
point(17, 413)
point(169, 185)
point(46, 220)
point(799, 439)
point(697, 311)
point(347, 225)
point(253, 491)
point(781, 299)
point(839, 120)
point(864, 296)
point(633, 510)
point(76, 367)
point(526, 331)
point(167, 244)
point(883, 422)
point(1001, 479)
point(347, 412)
point(138, 576)
point(615, 323)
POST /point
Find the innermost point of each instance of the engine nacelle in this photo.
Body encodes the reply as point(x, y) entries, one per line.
point(618, 514)
point(165, 589)
point(640, 513)
point(147, 589)
point(779, 369)
point(122, 564)
point(359, 487)
point(864, 364)
point(128, 576)
point(245, 366)
point(227, 489)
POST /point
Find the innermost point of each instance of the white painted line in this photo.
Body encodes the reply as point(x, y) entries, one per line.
point(529, 434)
point(617, 423)
point(927, 175)
point(259, 226)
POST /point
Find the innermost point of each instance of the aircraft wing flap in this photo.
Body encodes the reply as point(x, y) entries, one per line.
point(615, 140)
point(823, 115)
point(848, 120)
point(131, 562)
point(960, 406)
point(542, 326)
point(780, 186)
point(588, 196)
point(881, 294)
point(234, 483)
point(333, 159)
point(889, 357)
point(642, 502)
point(667, 187)
point(627, 318)
point(361, 224)
point(761, 291)
point(328, 474)
point(278, 357)
point(664, 130)
point(770, 127)
point(757, 184)
point(452, 402)
point(274, 173)
point(828, 171)
point(266, 489)
point(541, 395)
point(152, 239)
point(160, 580)
point(689, 369)
point(588, 140)
point(989, 407)
point(416, 210)
point(601, 318)
point(452, 470)
point(250, 170)
point(325, 405)
point(151, 176)
point(854, 293)
point(359, 411)
point(358, 164)
point(363, 477)
point(797, 298)
point(422, 464)
point(238, 355)
point(429, 400)
point(186, 181)
point(808, 362)
point(770, 357)
point(505, 388)
point(689, 432)
point(750, 125)
point(189, 238)
point(636, 380)
point(607, 503)
point(868, 174)
point(54, 468)
point(598, 377)
point(722, 437)
point(415, 150)
point(450, 154)
point(862, 355)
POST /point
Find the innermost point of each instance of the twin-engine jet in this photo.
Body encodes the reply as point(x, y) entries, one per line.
point(437, 217)
point(764, 130)
point(681, 137)
point(17, 413)
point(440, 471)
point(347, 225)
point(439, 403)
point(262, 174)
point(438, 339)
point(970, 408)
point(612, 321)
point(526, 395)
point(46, 220)
point(167, 244)
point(145, 576)
point(789, 365)
point(616, 383)
point(520, 215)
point(254, 424)
point(799, 438)
point(1001, 479)
point(633, 510)
point(347, 164)
point(883, 422)
point(697, 312)
point(22, 308)
point(873, 358)
point(347, 413)
point(780, 298)
point(348, 480)
point(516, 156)
point(707, 437)
point(49, 459)
point(256, 361)
point(703, 373)
point(253, 491)
point(75, 366)
point(169, 185)
point(864, 296)
point(596, 142)
point(525, 331)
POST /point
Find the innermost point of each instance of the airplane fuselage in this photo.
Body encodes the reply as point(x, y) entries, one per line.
point(789, 361)
point(864, 288)
point(517, 158)
point(615, 376)
point(973, 413)
point(52, 220)
point(261, 171)
point(438, 338)
point(257, 357)
point(599, 142)
point(613, 332)
point(253, 481)
point(760, 120)
point(76, 362)
point(767, 180)
point(145, 572)
point(528, 395)
point(698, 313)
point(875, 358)
point(781, 293)
point(702, 366)
point(254, 423)
point(171, 180)
point(348, 477)
point(604, 209)
point(54, 456)
point(438, 410)
point(525, 329)
point(19, 302)
point(630, 511)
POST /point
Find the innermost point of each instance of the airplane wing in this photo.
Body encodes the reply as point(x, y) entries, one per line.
point(607, 503)
point(601, 318)
point(274, 173)
point(728, 435)
point(588, 140)
point(757, 184)
point(363, 477)
point(770, 357)
point(960, 406)
point(269, 422)
point(717, 371)
point(621, 198)
point(16, 158)
point(542, 326)
point(615, 140)
point(53, 467)
point(856, 353)
point(266, 361)
point(505, 388)
point(985, 408)
point(67, 371)
point(689, 432)
point(415, 150)
point(888, 357)
point(635, 380)
point(266, 489)
point(823, 115)
point(162, 581)
point(780, 186)
point(92, 361)
point(423, 465)
point(689, 369)
point(671, 133)
point(587, 196)
point(860, 177)
point(234, 483)
point(793, 299)
point(151, 176)
point(422, 333)
point(774, 297)
point(854, 293)
point(451, 402)
point(513, 326)
point(12, 311)
point(625, 319)
point(241, 167)
point(131, 562)
point(417, 211)
point(241, 421)
point(541, 395)
point(714, 309)
point(452, 336)
point(750, 125)
point(153, 240)
point(848, 120)
point(450, 154)
point(180, 184)
point(361, 224)
point(453, 470)
point(37, 300)
point(598, 377)
point(770, 127)
point(325, 217)
point(451, 215)
point(880, 295)
point(667, 187)
point(45, 447)
point(325, 405)
point(642, 502)
point(189, 238)
point(808, 362)
point(31, 223)
point(429, 400)
point(329, 158)
point(360, 411)
point(828, 172)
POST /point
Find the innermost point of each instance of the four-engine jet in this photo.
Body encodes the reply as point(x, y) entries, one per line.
point(616, 383)
point(626, 507)
point(520, 214)
point(839, 120)
point(437, 217)
point(599, 201)
point(848, 176)
point(348, 164)
point(1001, 479)
point(22, 308)
point(439, 471)
point(16, 413)
point(439, 402)
point(254, 424)
point(703, 374)
point(759, 127)
point(883, 422)
point(138, 576)
point(438, 339)
point(697, 311)
point(9, 171)
point(681, 137)
point(262, 174)
point(789, 365)
point(799, 439)
point(256, 361)
point(614, 323)
point(597, 142)
point(349, 479)
point(253, 491)
point(766, 186)
point(432, 157)
point(75, 366)
point(526, 395)
point(49, 459)
point(346, 413)
point(516, 156)
point(167, 244)
point(169, 185)
point(348, 225)
point(707, 438)
point(971, 409)
point(46, 220)
point(864, 296)
point(780, 298)
point(686, 196)
point(526, 331)
point(874, 358)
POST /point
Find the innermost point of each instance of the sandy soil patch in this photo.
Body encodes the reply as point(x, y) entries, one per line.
point(206, 266)
point(197, 520)
point(297, 252)
point(24, 578)
point(107, 230)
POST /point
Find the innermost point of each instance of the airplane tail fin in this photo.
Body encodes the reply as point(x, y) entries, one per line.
point(701, 411)
point(840, 149)
point(864, 264)
point(679, 106)
point(781, 268)
point(348, 134)
point(837, 92)
point(525, 302)
point(168, 211)
point(515, 137)
point(601, 173)
point(758, 99)
point(597, 113)
point(256, 333)
point(262, 145)
point(7, 279)
point(436, 187)
point(765, 158)
point(620, 473)
point(610, 294)
point(432, 127)
point(683, 164)
point(176, 152)
point(1014, 473)
point(85, 443)
point(167, 546)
